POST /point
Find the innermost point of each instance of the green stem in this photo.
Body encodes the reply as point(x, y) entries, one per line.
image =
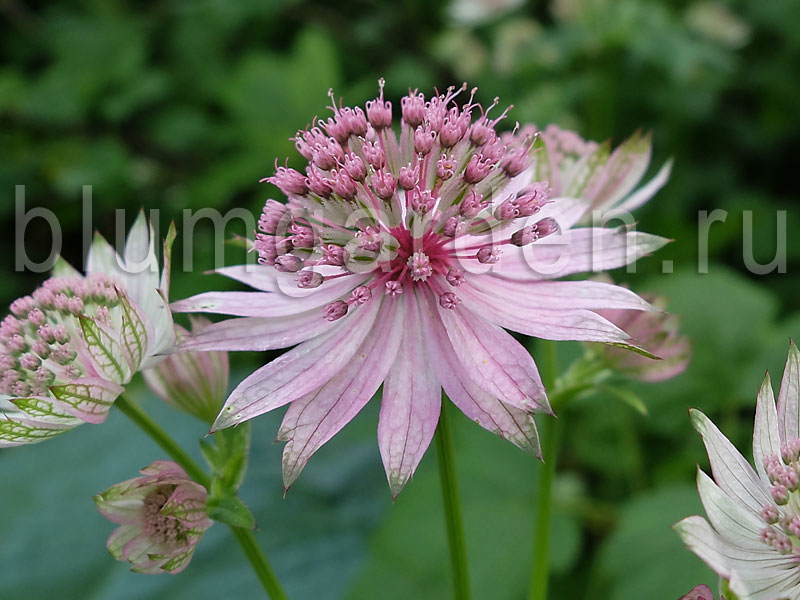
point(544, 502)
point(245, 537)
point(146, 423)
point(452, 507)
point(544, 513)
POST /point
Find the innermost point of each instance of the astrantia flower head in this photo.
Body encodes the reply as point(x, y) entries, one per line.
point(67, 350)
point(753, 539)
point(605, 178)
point(194, 382)
point(162, 516)
point(398, 259)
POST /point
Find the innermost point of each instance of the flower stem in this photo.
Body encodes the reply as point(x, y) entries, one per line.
point(544, 502)
point(245, 537)
point(452, 507)
point(146, 423)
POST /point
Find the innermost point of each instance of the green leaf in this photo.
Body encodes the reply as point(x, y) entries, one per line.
point(231, 511)
point(627, 396)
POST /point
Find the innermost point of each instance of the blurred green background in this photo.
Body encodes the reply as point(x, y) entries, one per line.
point(182, 105)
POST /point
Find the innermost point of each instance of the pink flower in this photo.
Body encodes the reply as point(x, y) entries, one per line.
point(194, 382)
point(589, 170)
point(162, 516)
point(700, 592)
point(657, 333)
point(68, 350)
point(445, 277)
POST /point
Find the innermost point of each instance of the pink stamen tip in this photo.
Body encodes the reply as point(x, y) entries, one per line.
point(336, 310)
point(308, 279)
point(455, 277)
point(449, 300)
point(393, 288)
point(489, 255)
point(360, 295)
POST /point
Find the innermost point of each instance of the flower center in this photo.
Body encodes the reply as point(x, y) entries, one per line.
point(164, 529)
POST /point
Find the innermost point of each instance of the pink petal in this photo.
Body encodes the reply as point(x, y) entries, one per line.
point(412, 399)
point(521, 314)
point(625, 167)
point(766, 439)
point(644, 193)
point(494, 360)
point(264, 304)
point(582, 250)
point(315, 418)
point(258, 333)
point(299, 371)
point(789, 397)
point(508, 422)
point(88, 399)
point(593, 295)
point(731, 471)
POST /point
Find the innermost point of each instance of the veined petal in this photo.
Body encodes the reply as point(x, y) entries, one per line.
point(258, 333)
point(299, 371)
point(592, 295)
point(141, 265)
point(731, 471)
point(105, 351)
point(732, 521)
point(496, 362)
point(766, 440)
point(134, 334)
point(315, 418)
point(582, 250)
point(644, 193)
point(625, 167)
point(546, 323)
point(263, 304)
point(121, 537)
point(32, 420)
point(508, 422)
point(89, 398)
point(701, 539)
point(267, 279)
point(789, 397)
point(412, 400)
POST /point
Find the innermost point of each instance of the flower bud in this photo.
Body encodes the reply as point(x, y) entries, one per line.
point(193, 382)
point(656, 332)
point(162, 516)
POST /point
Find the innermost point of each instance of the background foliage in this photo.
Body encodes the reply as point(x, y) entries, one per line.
point(179, 104)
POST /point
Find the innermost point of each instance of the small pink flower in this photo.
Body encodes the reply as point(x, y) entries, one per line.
point(447, 278)
point(193, 382)
point(657, 333)
point(68, 350)
point(162, 516)
point(613, 174)
point(701, 592)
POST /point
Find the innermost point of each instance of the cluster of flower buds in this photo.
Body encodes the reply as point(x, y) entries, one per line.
point(396, 206)
point(67, 350)
point(783, 518)
point(162, 516)
point(65, 353)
